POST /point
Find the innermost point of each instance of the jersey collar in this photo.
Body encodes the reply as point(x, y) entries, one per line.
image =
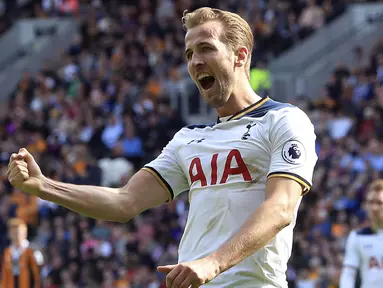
point(247, 110)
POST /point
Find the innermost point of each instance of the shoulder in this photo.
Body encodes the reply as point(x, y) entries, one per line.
point(365, 231)
point(190, 130)
point(271, 107)
point(200, 127)
point(187, 132)
point(274, 113)
point(286, 121)
point(35, 254)
point(287, 113)
point(360, 233)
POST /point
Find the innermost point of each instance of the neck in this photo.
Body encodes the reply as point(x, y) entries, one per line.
point(243, 96)
point(17, 243)
point(377, 225)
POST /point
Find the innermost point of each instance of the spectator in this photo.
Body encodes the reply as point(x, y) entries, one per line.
point(20, 264)
point(311, 19)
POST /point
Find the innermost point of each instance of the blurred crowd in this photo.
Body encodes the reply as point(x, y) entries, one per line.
point(350, 149)
point(106, 107)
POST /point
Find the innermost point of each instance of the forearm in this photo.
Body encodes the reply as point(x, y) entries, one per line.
point(92, 201)
point(261, 227)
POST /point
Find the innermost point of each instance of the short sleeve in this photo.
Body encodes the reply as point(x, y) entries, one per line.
point(292, 141)
point(168, 172)
point(351, 257)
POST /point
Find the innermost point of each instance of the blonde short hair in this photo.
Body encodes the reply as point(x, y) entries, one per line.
point(237, 30)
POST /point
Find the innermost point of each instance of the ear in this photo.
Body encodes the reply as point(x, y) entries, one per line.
point(241, 56)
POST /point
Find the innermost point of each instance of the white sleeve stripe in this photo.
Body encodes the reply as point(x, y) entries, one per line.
point(160, 180)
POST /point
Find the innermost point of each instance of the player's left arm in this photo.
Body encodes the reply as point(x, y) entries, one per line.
point(277, 212)
point(293, 157)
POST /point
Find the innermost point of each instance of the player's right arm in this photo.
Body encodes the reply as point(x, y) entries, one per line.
point(145, 190)
point(350, 264)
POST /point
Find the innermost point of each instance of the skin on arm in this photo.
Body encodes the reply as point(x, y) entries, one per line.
point(142, 192)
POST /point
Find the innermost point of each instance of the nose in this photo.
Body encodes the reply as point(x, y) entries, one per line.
point(196, 60)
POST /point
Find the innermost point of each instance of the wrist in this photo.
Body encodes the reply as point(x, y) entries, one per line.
point(42, 187)
point(217, 263)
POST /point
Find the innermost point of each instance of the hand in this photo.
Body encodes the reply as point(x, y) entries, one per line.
point(190, 274)
point(24, 173)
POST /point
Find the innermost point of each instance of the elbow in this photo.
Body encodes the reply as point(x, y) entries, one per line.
point(285, 221)
point(285, 216)
point(124, 216)
point(122, 219)
point(125, 210)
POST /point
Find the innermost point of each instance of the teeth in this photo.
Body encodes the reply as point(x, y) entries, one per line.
point(203, 75)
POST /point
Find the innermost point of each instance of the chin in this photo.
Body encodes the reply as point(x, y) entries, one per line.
point(214, 100)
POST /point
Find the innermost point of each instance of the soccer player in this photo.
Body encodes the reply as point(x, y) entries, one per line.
point(246, 173)
point(364, 249)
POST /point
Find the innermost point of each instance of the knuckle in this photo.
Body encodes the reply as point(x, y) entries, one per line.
point(13, 181)
point(169, 278)
point(19, 163)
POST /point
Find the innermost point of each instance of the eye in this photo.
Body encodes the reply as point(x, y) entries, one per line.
point(188, 55)
point(206, 48)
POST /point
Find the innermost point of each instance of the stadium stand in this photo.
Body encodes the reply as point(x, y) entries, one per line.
point(11, 11)
point(104, 108)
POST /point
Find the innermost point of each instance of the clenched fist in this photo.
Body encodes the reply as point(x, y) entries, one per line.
point(24, 173)
point(190, 274)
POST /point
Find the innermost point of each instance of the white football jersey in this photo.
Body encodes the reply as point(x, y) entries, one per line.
point(225, 167)
point(364, 252)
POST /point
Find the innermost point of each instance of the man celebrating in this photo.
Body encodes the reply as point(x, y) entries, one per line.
point(246, 173)
point(364, 250)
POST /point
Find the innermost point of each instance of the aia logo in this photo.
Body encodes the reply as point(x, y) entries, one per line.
point(375, 262)
point(246, 135)
point(234, 165)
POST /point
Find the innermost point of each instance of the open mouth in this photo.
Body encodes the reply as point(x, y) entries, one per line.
point(206, 81)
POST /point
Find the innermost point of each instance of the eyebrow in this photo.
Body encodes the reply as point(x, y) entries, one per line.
point(198, 44)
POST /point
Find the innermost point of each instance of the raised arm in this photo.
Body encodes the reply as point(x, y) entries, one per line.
point(143, 191)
